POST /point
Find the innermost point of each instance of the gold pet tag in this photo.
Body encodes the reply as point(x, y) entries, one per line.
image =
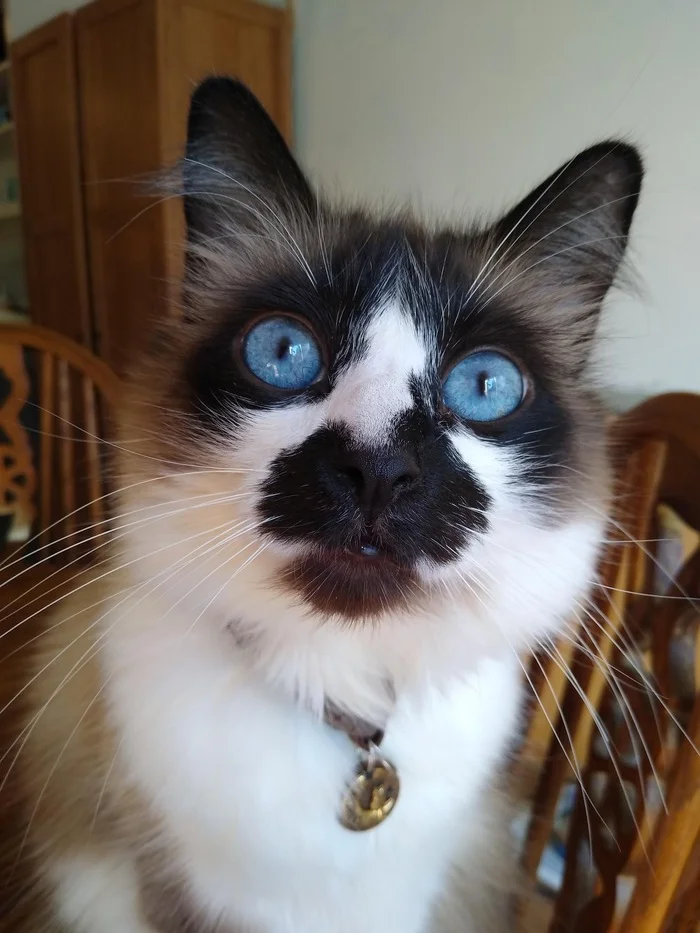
point(371, 797)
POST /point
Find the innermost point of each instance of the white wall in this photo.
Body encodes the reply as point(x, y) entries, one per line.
point(471, 102)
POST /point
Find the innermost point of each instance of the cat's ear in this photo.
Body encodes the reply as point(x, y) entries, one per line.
point(561, 247)
point(238, 172)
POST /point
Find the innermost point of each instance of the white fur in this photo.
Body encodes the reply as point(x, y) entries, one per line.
point(97, 893)
point(227, 741)
point(249, 785)
point(371, 394)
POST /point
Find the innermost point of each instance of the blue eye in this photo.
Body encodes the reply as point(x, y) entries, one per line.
point(484, 386)
point(283, 353)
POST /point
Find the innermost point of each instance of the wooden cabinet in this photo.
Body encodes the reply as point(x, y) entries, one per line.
point(116, 77)
point(46, 121)
point(120, 103)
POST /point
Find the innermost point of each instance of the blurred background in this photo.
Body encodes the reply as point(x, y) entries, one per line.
point(457, 105)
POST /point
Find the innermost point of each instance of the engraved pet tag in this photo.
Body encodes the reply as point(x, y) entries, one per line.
point(371, 796)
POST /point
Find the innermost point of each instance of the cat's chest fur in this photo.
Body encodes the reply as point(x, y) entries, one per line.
point(248, 787)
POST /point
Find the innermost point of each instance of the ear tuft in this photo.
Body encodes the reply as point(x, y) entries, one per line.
point(238, 170)
point(560, 249)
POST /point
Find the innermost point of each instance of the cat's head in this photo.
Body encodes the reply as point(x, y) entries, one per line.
point(363, 428)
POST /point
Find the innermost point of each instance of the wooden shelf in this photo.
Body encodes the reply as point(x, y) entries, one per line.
point(10, 211)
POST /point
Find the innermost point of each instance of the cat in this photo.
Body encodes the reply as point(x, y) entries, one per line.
point(358, 477)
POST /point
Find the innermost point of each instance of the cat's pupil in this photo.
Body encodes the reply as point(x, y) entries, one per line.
point(283, 349)
point(486, 383)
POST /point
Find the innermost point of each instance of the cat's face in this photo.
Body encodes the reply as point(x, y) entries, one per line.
point(366, 424)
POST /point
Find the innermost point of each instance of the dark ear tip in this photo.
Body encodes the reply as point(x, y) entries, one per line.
point(617, 155)
point(620, 168)
point(217, 94)
point(215, 88)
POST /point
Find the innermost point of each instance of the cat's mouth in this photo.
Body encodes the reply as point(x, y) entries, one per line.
point(367, 552)
point(364, 580)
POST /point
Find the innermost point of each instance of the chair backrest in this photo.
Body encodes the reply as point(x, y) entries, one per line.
point(632, 716)
point(55, 397)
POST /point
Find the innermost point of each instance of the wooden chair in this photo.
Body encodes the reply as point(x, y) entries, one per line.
point(630, 865)
point(55, 398)
point(55, 401)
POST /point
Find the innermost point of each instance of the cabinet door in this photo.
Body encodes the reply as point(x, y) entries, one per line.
point(46, 117)
point(250, 41)
point(116, 43)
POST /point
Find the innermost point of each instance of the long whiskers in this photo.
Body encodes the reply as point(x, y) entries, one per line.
point(278, 223)
point(86, 658)
point(114, 533)
point(113, 445)
point(556, 657)
point(92, 650)
point(115, 493)
point(95, 579)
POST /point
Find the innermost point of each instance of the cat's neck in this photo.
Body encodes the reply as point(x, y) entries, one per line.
point(362, 671)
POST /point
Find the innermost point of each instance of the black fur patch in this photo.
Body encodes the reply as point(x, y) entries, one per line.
point(308, 498)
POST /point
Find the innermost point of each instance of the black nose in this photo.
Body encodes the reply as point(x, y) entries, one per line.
point(377, 477)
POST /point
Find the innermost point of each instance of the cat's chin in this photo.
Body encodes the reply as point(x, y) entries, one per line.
point(351, 585)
